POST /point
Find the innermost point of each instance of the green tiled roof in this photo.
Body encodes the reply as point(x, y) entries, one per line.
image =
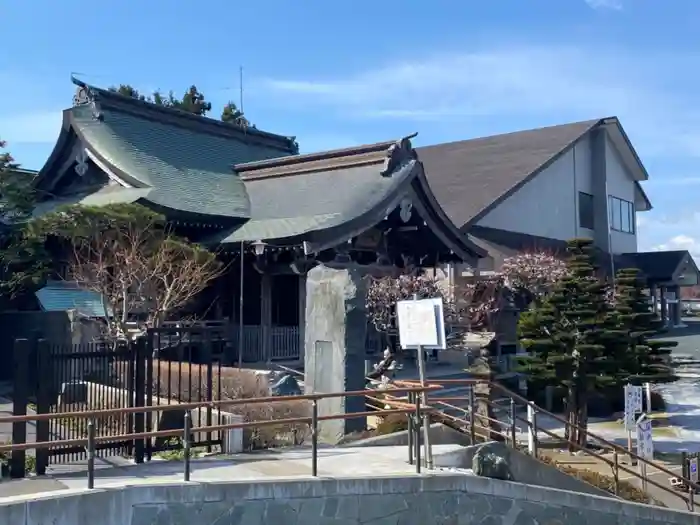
point(296, 196)
point(259, 229)
point(294, 205)
point(191, 171)
point(102, 197)
point(186, 159)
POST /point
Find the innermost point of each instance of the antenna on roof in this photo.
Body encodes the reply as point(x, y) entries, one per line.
point(240, 82)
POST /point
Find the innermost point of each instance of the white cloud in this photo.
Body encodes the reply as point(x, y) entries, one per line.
point(545, 84)
point(676, 232)
point(682, 242)
point(605, 4)
point(35, 127)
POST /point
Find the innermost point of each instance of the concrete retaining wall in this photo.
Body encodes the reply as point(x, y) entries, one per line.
point(418, 500)
point(526, 469)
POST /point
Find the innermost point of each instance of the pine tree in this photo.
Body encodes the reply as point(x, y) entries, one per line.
point(23, 259)
point(645, 360)
point(233, 115)
point(565, 336)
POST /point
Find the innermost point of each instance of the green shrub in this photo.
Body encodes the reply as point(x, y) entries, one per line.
point(29, 460)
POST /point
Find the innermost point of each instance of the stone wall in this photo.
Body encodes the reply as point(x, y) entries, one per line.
point(416, 500)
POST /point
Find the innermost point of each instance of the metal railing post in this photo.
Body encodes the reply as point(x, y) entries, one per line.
point(91, 453)
point(532, 434)
point(472, 420)
point(417, 423)
point(186, 444)
point(410, 430)
point(691, 498)
point(513, 438)
point(314, 438)
point(616, 473)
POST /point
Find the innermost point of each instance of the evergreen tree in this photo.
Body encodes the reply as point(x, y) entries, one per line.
point(192, 101)
point(23, 259)
point(235, 116)
point(565, 336)
point(645, 360)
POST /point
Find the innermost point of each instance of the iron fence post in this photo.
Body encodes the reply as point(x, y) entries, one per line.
point(472, 406)
point(210, 382)
point(139, 349)
point(43, 401)
point(186, 443)
point(20, 397)
point(314, 438)
point(410, 430)
point(512, 424)
point(91, 453)
point(417, 425)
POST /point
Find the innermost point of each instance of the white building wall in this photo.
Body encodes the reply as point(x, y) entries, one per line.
point(547, 205)
point(620, 185)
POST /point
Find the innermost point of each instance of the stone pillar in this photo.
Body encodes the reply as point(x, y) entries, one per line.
point(334, 353)
point(266, 316)
point(302, 315)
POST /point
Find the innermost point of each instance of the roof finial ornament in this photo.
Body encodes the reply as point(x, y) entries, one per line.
point(85, 96)
point(397, 154)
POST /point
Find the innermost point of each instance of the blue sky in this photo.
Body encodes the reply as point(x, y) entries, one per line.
point(340, 73)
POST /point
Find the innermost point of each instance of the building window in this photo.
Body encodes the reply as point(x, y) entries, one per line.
point(620, 215)
point(585, 210)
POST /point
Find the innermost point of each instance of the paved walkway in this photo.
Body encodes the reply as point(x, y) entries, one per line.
point(280, 464)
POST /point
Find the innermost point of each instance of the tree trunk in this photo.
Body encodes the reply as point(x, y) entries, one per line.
point(572, 410)
point(582, 438)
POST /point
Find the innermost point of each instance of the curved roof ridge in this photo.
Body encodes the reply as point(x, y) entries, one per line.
point(286, 143)
point(388, 152)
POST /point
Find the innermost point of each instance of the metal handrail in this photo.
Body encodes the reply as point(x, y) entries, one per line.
point(92, 440)
point(617, 449)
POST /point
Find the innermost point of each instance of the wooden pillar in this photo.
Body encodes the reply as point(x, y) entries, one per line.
point(664, 305)
point(654, 299)
point(675, 307)
point(266, 316)
point(302, 315)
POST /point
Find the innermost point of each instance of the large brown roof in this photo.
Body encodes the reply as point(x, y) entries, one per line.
point(471, 176)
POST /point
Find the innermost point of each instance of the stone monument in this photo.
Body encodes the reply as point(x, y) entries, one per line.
point(334, 347)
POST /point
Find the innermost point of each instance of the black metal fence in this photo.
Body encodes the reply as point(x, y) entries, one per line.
point(168, 366)
point(184, 366)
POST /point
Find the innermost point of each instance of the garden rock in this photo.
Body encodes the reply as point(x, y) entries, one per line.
point(491, 461)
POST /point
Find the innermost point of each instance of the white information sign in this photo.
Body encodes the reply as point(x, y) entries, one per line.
point(421, 323)
point(693, 464)
point(645, 443)
point(633, 405)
